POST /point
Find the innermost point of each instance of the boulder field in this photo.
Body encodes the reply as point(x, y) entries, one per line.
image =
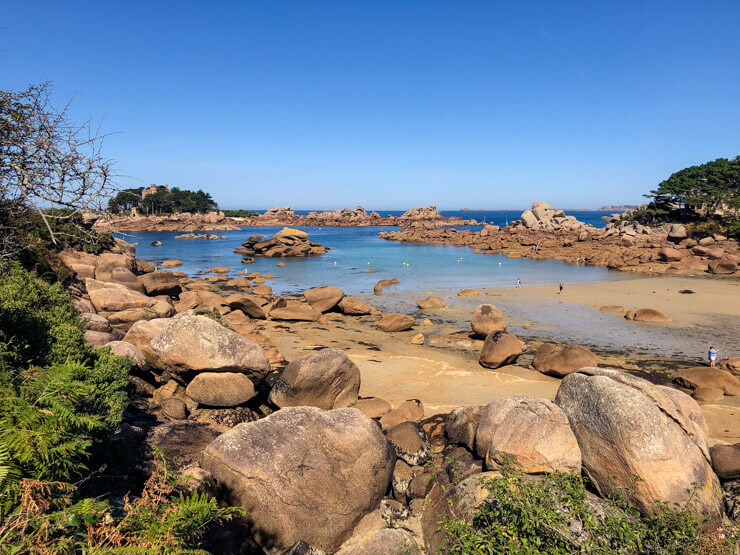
point(320, 469)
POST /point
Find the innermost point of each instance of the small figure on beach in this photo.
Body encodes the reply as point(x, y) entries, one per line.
point(518, 282)
point(712, 356)
point(560, 292)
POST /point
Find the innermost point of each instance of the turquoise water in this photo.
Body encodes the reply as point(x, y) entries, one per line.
point(355, 249)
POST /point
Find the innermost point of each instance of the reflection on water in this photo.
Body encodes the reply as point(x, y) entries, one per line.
point(356, 249)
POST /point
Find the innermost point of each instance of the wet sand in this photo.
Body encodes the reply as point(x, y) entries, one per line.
point(444, 372)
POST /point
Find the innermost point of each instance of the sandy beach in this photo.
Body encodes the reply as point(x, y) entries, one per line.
point(444, 372)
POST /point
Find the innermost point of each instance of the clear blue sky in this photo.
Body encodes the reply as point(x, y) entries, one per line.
point(392, 104)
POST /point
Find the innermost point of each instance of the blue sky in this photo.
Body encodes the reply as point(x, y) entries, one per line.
point(392, 104)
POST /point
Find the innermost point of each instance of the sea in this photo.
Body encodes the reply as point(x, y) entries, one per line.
point(355, 250)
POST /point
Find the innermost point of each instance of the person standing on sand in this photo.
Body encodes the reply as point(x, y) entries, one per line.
point(518, 282)
point(712, 356)
point(561, 288)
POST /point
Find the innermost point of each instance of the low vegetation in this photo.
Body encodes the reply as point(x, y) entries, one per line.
point(555, 514)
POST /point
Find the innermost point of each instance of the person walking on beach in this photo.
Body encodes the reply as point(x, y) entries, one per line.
point(712, 356)
point(561, 288)
point(518, 282)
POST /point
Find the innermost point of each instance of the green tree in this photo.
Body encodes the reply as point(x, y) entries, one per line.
point(125, 200)
point(700, 191)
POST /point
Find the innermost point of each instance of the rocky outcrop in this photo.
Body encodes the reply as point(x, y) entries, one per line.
point(285, 243)
point(386, 541)
point(327, 379)
point(252, 305)
point(190, 342)
point(303, 474)
point(545, 217)
point(499, 349)
point(212, 221)
point(627, 427)
point(534, 434)
point(560, 362)
point(486, 320)
point(422, 213)
point(623, 245)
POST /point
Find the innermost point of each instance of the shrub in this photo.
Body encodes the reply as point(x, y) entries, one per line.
point(165, 518)
point(38, 324)
point(555, 514)
point(706, 228)
point(733, 230)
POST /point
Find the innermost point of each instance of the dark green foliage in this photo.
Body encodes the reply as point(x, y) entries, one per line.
point(69, 230)
point(239, 213)
point(163, 201)
point(709, 191)
point(711, 186)
point(554, 514)
point(38, 324)
point(733, 230)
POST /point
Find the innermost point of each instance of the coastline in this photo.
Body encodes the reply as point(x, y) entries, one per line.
point(444, 372)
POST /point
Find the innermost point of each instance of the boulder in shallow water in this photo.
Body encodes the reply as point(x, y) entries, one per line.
point(303, 473)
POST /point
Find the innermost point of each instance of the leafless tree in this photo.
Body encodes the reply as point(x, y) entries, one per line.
point(48, 163)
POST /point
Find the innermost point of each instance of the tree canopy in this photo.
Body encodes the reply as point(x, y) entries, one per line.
point(705, 191)
point(163, 201)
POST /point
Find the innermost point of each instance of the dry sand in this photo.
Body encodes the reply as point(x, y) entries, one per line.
point(444, 373)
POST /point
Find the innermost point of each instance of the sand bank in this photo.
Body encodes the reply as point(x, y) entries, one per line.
point(444, 373)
